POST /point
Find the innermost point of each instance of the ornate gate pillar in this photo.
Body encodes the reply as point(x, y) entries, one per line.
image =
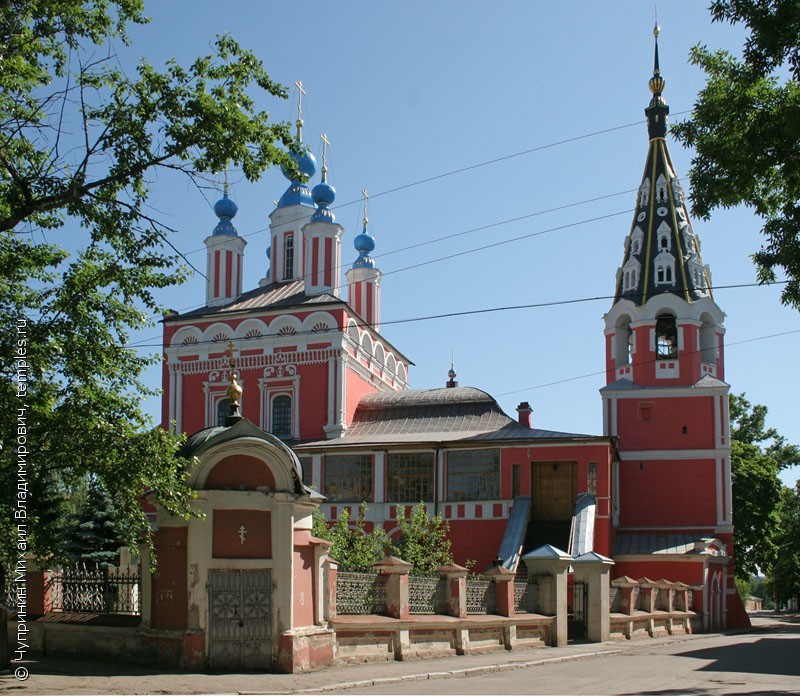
point(551, 565)
point(593, 569)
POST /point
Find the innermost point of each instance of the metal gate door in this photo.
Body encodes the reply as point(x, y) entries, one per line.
point(577, 608)
point(240, 619)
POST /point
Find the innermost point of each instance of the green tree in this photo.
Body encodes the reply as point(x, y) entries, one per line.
point(93, 534)
point(785, 576)
point(80, 143)
point(745, 130)
point(354, 548)
point(758, 454)
point(423, 539)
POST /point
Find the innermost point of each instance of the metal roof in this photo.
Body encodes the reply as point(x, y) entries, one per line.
point(659, 544)
point(271, 296)
point(455, 415)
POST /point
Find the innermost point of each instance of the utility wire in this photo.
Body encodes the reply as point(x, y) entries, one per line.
point(645, 362)
point(468, 312)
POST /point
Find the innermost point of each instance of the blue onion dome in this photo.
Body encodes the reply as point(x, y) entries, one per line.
point(364, 244)
point(298, 193)
point(323, 195)
point(225, 209)
point(306, 163)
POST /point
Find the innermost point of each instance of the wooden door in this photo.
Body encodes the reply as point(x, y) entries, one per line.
point(554, 488)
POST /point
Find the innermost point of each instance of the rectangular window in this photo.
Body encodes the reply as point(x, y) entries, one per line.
point(515, 480)
point(473, 475)
point(305, 464)
point(409, 477)
point(591, 479)
point(646, 413)
point(288, 257)
point(348, 478)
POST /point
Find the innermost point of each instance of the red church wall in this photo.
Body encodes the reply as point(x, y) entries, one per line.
point(658, 423)
point(169, 600)
point(240, 471)
point(356, 388)
point(668, 493)
point(476, 540)
point(313, 401)
point(229, 541)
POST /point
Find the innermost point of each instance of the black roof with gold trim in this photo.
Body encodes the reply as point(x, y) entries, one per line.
point(662, 253)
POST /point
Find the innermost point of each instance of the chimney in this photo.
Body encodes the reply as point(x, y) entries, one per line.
point(524, 410)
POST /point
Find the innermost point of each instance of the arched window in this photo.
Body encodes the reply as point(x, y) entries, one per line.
point(282, 416)
point(666, 337)
point(223, 410)
point(288, 257)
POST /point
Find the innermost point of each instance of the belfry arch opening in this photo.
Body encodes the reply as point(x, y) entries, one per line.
point(623, 341)
point(666, 336)
point(709, 342)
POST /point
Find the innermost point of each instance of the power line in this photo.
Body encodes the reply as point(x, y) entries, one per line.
point(645, 362)
point(468, 312)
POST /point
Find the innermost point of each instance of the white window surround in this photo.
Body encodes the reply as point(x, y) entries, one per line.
point(279, 380)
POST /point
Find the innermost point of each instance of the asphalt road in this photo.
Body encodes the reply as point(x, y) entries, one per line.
point(765, 662)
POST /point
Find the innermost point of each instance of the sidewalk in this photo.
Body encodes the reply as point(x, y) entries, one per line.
point(49, 675)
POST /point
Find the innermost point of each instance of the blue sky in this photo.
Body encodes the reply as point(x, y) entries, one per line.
point(555, 92)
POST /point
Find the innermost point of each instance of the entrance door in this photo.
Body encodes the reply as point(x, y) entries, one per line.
point(554, 487)
point(240, 619)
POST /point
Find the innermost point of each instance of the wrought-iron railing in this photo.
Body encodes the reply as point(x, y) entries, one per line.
point(526, 596)
point(480, 596)
point(97, 590)
point(360, 593)
point(427, 594)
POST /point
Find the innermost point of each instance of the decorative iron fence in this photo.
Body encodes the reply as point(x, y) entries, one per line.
point(480, 596)
point(96, 590)
point(360, 593)
point(427, 594)
point(526, 596)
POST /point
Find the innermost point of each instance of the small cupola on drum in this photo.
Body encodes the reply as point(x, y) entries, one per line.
point(225, 249)
point(322, 238)
point(294, 209)
point(363, 279)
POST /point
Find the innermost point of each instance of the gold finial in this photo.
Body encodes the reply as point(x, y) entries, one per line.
point(234, 390)
point(225, 186)
point(300, 93)
point(324, 170)
point(365, 193)
point(656, 82)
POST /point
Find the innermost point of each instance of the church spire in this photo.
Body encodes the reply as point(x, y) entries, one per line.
point(662, 254)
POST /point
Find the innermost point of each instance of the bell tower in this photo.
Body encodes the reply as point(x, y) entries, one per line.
point(665, 399)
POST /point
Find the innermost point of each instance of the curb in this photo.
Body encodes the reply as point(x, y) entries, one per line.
point(454, 674)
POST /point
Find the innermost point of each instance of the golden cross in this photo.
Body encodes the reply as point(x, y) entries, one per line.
point(365, 193)
point(300, 93)
point(325, 143)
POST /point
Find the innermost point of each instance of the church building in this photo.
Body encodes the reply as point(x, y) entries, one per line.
point(653, 492)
